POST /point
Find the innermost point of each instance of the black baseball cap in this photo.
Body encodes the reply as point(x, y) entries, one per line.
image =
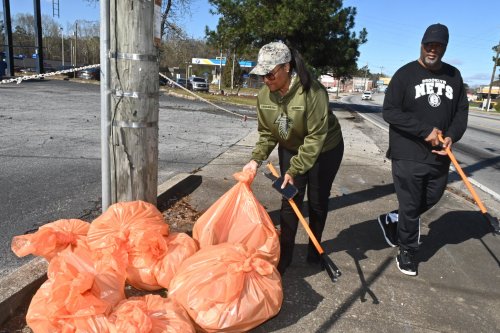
point(436, 33)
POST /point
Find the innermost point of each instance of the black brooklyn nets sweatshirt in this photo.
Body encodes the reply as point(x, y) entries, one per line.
point(416, 101)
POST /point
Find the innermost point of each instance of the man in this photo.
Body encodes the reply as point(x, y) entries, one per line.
point(425, 99)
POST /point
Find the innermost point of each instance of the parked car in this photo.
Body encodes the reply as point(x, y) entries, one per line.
point(197, 84)
point(66, 67)
point(367, 95)
point(331, 89)
point(89, 74)
point(181, 82)
point(163, 81)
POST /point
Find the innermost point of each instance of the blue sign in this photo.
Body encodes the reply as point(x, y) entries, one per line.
point(34, 56)
point(246, 63)
point(219, 62)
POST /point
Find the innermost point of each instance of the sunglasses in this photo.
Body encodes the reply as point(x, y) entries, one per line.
point(271, 76)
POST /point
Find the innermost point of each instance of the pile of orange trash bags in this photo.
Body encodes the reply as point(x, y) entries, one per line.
point(224, 282)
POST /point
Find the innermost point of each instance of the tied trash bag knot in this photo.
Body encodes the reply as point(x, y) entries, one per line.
point(66, 238)
point(246, 177)
point(260, 266)
point(122, 235)
point(151, 313)
point(152, 244)
point(52, 238)
point(132, 315)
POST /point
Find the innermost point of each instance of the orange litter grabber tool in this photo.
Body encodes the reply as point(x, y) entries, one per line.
point(326, 262)
point(491, 219)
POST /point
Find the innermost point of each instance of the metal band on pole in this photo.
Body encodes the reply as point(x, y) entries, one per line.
point(133, 94)
point(134, 56)
point(134, 124)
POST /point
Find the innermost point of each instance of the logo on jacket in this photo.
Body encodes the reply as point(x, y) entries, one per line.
point(434, 89)
point(434, 100)
point(284, 125)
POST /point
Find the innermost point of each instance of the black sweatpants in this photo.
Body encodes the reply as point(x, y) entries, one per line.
point(419, 186)
point(318, 181)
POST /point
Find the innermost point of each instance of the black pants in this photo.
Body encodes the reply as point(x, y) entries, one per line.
point(318, 181)
point(419, 187)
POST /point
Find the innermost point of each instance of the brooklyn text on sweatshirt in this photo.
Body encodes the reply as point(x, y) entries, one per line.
point(434, 89)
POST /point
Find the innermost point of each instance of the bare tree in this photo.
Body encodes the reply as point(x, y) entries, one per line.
point(171, 10)
point(50, 35)
point(88, 35)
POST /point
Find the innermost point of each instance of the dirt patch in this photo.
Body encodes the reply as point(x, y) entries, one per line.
point(181, 216)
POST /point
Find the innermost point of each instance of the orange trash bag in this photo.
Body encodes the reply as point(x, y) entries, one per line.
point(51, 238)
point(238, 217)
point(151, 313)
point(45, 316)
point(77, 297)
point(179, 247)
point(154, 259)
point(138, 228)
point(227, 288)
point(122, 223)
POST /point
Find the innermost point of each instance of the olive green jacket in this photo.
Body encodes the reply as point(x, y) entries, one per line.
point(299, 121)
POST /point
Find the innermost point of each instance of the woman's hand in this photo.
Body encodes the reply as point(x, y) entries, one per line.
point(287, 179)
point(251, 167)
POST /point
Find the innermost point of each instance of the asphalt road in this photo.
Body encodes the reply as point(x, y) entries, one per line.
point(50, 165)
point(478, 152)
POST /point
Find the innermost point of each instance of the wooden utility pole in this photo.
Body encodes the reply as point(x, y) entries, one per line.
point(134, 87)
point(488, 101)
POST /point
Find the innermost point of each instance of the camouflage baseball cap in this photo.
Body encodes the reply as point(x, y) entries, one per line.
point(271, 55)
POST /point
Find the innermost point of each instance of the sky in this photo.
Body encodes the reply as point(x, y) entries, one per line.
point(395, 29)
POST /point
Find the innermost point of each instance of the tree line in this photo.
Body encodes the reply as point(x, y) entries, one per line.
point(80, 38)
point(322, 31)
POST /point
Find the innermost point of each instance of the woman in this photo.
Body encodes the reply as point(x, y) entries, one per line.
point(293, 113)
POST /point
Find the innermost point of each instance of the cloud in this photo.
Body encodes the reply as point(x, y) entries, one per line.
point(477, 79)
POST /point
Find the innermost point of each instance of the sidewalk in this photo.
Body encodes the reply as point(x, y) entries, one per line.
point(457, 286)
point(459, 271)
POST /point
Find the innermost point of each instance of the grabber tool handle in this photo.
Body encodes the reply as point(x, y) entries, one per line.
point(464, 177)
point(299, 215)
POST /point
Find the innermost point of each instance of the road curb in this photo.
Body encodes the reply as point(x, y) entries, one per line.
point(177, 187)
point(19, 286)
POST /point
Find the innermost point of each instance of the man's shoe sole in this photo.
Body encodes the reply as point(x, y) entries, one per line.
point(403, 270)
point(383, 232)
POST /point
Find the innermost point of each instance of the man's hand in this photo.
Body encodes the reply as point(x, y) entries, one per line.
point(433, 138)
point(251, 166)
point(446, 144)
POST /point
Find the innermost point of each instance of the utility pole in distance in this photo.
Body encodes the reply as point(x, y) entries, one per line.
point(495, 60)
point(134, 87)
